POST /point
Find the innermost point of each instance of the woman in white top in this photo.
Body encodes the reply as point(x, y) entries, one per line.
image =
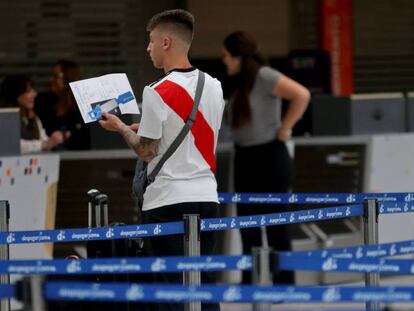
point(17, 91)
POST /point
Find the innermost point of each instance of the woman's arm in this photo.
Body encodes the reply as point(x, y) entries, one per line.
point(29, 146)
point(298, 97)
point(44, 142)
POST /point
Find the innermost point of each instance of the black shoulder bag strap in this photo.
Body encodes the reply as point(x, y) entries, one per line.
point(184, 131)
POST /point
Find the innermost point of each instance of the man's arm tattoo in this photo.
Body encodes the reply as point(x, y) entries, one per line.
point(145, 148)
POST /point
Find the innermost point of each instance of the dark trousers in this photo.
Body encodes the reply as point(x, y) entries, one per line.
point(264, 168)
point(173, 245)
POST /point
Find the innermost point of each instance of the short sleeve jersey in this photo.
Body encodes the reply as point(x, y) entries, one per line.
point(265, 111)
point(188, 175)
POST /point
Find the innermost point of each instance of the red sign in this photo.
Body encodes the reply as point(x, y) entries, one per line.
point(337, 40)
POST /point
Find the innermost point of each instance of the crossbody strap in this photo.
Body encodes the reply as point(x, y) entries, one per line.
point(184, 131)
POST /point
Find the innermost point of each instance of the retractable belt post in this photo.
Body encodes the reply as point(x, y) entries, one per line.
point(101, 210)
point(30, 293)
point(371, 213)
point(192, 249)
point(265, 264)
point(4, 249)
point(91, 194)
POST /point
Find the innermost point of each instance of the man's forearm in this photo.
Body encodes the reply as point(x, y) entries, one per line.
point(145, 148)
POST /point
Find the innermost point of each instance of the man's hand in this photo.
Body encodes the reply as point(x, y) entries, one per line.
point(134, 127)
point(111, 122)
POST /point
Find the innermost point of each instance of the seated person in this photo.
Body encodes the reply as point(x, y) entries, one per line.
point(57, 107)
point(17, 91)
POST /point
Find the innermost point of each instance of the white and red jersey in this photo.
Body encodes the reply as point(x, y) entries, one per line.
point(188, 175)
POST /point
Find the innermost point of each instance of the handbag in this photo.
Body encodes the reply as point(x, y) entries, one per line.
point(141, 178)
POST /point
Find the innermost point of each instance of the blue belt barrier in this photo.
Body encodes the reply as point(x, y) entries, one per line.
point(7, 291)
point(371, 265)
point(396, 207)
point(215, 224)
point(91, 234)
point(122, 292)
point(312, 198)
point(357, 252)
point(362, 258)
point(126, 265)
point(209, 224)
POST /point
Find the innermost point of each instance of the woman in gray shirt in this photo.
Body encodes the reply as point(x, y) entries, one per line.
point(262, 163)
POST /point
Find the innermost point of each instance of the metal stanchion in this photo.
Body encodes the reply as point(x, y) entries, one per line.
point(264, 265)
point(192, 248)
point(4, 249)
point(30, 293)
point(91, 199)
point(101, 210)
point(371, 213)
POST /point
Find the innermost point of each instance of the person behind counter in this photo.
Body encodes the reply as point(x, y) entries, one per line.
point(18, 91)
point(57, 107)
point(262, 162)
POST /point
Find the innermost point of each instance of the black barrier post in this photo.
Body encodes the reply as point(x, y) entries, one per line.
point(192, 249)
point(264, 265)
point(4, 249)
point(101, 209)
point(91, 201)
point(30, 293)
point(371, 213)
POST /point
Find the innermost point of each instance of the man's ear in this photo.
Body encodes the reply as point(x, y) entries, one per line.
point(167, 42)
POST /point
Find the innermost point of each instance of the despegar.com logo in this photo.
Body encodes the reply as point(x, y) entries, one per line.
point(134, 292)
point(10, 238)
point(332, 294)
point(233, 293)
point(158, 265)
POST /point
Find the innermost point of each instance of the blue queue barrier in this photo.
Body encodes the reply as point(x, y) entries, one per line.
point(131, 292)
point(319, 260)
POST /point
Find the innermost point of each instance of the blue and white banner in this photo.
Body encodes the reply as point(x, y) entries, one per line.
point(386, 206)
point(357, 252)
point(365, 265)
point(7, 291)
point(122, 292)
point(214, 224)
point(352, 259)
point(126, 265)
point(312, 198)
point(396, 207)
point(209, 224)
point(91, 234)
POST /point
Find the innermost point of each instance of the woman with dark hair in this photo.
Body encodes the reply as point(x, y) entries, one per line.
point(17, 91)
point(58, 110)
point(262, 163)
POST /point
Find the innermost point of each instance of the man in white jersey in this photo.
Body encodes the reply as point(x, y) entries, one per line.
point(186, 183)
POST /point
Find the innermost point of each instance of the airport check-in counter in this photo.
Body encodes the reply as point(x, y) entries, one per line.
point(362, 163)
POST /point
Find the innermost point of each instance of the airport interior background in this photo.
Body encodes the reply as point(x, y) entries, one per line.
point(356, 135)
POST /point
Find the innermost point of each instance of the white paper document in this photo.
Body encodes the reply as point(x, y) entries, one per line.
point(110, 93)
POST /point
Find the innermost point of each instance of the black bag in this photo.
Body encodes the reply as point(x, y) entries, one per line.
point(140, 182)
point(141, 177)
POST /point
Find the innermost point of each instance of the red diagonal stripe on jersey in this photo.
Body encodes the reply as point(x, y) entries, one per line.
point(177, 98)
